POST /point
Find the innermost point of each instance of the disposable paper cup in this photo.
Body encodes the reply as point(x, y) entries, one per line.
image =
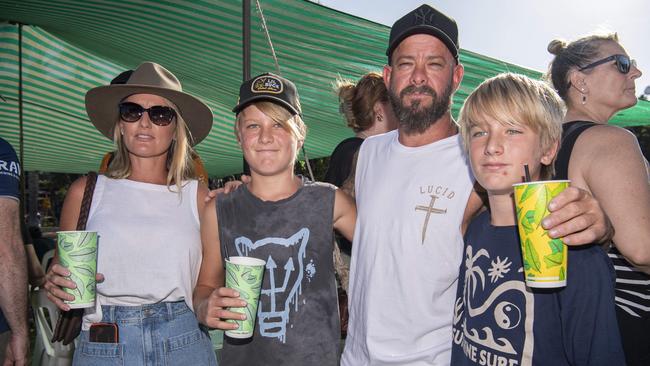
point(544, 258)
point(245, 274)
point(77, 251)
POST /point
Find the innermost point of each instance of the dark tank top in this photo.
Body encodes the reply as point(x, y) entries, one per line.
point(297, 319)
point(632, 285)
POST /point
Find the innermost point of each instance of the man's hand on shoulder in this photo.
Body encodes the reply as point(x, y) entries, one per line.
point(229, 187)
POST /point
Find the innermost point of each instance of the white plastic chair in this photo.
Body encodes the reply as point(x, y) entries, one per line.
point(46, 258)
point(45, 352)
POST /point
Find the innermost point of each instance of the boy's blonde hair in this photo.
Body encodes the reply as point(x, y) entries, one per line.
point(292, 123)
point(516, 100)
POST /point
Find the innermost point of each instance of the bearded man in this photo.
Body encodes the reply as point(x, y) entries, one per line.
point(413, 191)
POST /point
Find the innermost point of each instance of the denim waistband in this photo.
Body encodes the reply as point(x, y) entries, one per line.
point(162, 310)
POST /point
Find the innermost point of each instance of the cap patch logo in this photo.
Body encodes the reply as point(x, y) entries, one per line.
point(424, 16)
point(267, 84)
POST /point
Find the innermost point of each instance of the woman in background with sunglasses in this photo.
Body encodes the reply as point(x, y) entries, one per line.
point(595, 77)
point(146, 212)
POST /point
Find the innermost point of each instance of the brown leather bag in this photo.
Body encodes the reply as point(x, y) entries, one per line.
point(68, 325)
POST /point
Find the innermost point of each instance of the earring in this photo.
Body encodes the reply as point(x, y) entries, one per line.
point(121, 131)
point(584, 96)
point(380, 117)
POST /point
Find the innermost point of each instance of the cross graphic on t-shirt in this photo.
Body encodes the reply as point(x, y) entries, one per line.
point(429, 210)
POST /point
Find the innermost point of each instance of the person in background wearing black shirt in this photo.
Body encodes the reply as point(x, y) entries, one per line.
point(367, 112)
point(595, 77)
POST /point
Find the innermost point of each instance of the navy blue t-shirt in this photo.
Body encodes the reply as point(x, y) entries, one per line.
point(9, 183)
point(9, 171)
point(500, 321)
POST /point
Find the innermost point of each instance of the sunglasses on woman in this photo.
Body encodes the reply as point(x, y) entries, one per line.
point(158, 114)
point(623, 63)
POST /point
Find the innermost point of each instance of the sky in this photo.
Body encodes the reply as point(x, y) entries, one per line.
point(518, 31)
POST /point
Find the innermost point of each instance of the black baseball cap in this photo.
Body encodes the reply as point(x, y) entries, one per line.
point(424, 20)
point(269, 87)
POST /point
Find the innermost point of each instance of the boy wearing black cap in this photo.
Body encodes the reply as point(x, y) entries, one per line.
point(404, 270)
point(285, 220)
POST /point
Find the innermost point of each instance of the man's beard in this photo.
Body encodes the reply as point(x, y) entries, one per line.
point(414, 119)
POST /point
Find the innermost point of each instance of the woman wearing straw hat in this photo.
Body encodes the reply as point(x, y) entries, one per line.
point(595, 77)
point(285, 220)
point(146, 212)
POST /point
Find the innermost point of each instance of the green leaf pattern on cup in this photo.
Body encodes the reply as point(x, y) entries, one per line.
point(557, 254)
point(86, 239)
point(248, 281)
point(531, 258)
point(527, 221)
point(541, 263)
point(90, 288)
point(553, 260)
point(541, 206)
point(67, 244)
point(529, 191)
point(558, 189)
point(78, 253)
point(556, 246)
point(81, 286)
point(232, 279)
point(84, 269)
point(248, 276)
point(83, 255)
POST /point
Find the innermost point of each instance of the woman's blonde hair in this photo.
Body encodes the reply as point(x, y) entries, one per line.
point(357, 101)
point(292, 123)
point(180, 166)
point(516, 100)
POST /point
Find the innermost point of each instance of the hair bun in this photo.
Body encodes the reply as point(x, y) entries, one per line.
point(556, 46)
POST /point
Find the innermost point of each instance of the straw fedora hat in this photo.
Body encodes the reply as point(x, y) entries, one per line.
point(149, 78)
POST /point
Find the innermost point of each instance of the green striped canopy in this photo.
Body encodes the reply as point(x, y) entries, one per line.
point(70, 46)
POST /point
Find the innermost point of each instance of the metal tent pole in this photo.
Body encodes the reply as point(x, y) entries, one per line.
point(246, 50)
point(21, 136)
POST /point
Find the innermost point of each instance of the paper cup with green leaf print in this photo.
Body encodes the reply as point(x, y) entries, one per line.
point(245, 275)
point(77, 251)
point(544, 258)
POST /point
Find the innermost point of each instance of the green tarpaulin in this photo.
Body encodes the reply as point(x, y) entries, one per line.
point(71, 46)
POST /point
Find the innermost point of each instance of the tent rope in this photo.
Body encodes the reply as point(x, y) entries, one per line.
point(268, 37)
point(277, 68)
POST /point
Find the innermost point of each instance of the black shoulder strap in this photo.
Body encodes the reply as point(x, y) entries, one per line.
point(570, 133)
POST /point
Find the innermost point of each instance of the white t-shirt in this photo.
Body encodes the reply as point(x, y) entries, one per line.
point(149, 246)
point(407, 251)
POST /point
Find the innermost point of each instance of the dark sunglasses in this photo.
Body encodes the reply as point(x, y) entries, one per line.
point(623, 63)
point(158, 114)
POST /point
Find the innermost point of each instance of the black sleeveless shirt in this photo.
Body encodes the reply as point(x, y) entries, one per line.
point(297, 318)
point(632, 285)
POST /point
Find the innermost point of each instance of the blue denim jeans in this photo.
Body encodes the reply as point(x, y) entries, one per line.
point(159, 334)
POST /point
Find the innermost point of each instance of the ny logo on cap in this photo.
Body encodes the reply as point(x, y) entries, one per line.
point(267, 84)
point(424, 15)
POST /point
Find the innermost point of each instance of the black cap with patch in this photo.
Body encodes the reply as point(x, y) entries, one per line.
point(269, 87)
point(424, 20)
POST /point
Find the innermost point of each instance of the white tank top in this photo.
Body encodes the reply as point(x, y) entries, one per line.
point(149, 246)
point(407, 251)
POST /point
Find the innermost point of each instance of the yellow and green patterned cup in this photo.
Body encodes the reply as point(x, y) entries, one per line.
point(544, 258)
point(245, 275)
point(77, 251)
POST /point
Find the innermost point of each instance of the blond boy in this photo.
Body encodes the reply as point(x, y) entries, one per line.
point(508, 121)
